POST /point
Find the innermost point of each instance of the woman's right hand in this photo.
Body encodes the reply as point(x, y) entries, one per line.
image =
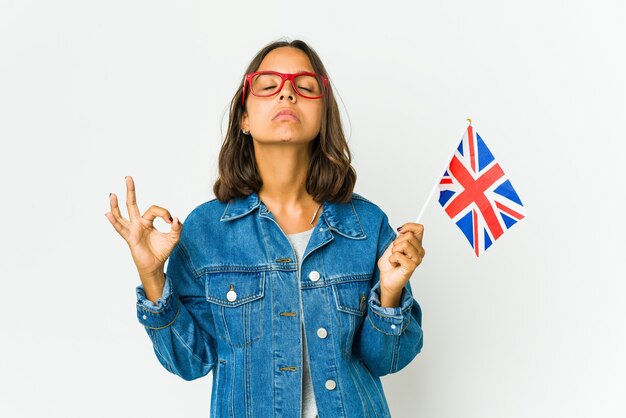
point(148, 246)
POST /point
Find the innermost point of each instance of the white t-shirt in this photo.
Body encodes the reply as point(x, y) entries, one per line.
point(299, 242)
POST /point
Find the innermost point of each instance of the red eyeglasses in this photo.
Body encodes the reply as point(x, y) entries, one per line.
point(269, 83)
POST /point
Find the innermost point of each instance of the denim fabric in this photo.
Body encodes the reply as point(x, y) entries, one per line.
point(232, 302)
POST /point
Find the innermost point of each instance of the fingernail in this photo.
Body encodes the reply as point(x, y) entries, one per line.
point(399, 229)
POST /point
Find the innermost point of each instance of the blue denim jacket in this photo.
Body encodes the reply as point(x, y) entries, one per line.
point(234, 297)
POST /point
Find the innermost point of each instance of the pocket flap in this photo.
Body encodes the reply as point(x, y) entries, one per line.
point(234, 288)
point(352, 296)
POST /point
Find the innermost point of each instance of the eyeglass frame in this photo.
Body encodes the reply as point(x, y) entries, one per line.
point(284, 77)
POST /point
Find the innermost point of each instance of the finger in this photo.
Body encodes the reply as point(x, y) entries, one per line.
point(420, 233)
point(407, 264)
point(415, 229)
point(115, 209)
point(414, 257)
point(154, 211)
point(418, 246)
point(121, 229)
point(411, 248)
point(410, 238)
point(177, 228)
point(131, 198)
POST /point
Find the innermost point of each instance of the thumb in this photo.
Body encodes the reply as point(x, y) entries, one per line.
point(177, 228)
point(384, 257)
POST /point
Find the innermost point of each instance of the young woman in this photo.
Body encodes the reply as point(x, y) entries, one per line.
point(291, 288)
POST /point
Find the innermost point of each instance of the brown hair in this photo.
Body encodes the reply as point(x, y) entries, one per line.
point(330, 175)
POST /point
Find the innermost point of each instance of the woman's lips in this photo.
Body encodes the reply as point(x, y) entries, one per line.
point(286, 114)
point(285, 117)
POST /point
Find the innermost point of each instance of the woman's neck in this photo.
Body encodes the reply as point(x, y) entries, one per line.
point(283, 170)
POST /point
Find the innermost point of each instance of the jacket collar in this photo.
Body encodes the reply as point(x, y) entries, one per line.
point(340, 217)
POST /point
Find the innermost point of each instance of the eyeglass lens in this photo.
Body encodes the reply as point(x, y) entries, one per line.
point(268, 85)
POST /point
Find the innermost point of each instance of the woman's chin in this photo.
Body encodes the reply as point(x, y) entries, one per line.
point(285, 136)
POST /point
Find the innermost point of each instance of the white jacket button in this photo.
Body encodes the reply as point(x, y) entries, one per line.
point(322, 333)
point(330, 384)
point(314, 276)
point(231, 295)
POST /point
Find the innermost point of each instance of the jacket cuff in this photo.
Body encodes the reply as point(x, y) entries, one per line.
point(159, 315)
point(390, 321)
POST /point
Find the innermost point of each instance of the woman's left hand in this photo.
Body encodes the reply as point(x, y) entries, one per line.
point(399, 261)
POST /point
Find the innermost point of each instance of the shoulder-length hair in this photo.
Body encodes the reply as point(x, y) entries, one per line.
point(330, 175)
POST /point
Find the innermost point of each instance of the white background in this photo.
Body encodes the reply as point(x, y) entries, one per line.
point(91, 91)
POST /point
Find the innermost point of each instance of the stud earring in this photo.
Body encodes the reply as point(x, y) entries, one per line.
point(245, 132)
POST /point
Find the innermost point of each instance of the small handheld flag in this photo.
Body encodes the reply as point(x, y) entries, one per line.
point(477, 195)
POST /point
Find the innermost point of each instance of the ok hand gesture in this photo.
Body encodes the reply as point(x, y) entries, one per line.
point(148, 246)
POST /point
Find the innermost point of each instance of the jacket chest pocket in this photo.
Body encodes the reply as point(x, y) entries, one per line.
point(351, 304)
point(236, 300)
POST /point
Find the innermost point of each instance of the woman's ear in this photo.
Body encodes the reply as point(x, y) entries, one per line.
point(244, 124)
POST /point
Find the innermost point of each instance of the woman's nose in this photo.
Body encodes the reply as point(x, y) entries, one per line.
point(287, 91)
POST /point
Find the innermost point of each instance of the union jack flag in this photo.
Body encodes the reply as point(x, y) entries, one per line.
point(477, 195)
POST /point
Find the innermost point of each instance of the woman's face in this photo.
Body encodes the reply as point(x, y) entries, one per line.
point(260, 116)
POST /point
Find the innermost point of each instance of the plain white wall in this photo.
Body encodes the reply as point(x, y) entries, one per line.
point(93, 91)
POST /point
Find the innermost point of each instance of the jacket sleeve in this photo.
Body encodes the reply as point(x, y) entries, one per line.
point(389, 338)
point(181, 345)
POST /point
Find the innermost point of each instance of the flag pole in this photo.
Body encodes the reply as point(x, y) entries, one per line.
point(432, 191)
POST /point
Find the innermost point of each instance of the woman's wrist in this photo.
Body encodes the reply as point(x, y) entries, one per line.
point(153, 285)
point(390, 298)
